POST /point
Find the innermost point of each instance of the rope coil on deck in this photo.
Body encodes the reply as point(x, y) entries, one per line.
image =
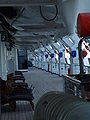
point(59, 106)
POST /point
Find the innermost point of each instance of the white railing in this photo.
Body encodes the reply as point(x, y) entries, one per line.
point(77, 87)
point(72, 86)
point(62, 68)
point(87, 69)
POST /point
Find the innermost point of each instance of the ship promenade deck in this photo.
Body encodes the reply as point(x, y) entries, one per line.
point(43, 82)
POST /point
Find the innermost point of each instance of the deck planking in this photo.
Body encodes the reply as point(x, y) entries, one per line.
point(43, 82)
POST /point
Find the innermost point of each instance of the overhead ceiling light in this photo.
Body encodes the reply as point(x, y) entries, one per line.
point(70, 40)
point(50, 46)
point(52, 36)
point(58, 43)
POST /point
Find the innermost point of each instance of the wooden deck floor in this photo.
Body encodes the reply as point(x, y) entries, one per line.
point(43, 82)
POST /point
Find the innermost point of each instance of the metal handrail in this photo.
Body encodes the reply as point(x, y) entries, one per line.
point(72, 85)
point(73, 80)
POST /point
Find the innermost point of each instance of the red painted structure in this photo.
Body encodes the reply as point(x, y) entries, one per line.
point(83, 24)
point(84, 53)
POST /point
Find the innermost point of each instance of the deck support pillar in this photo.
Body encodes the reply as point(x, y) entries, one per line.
point(3, 60)
point(16, 59)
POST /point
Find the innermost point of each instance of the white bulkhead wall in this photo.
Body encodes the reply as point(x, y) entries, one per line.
point(8, 60)
point(84, 6)
point(70, 10)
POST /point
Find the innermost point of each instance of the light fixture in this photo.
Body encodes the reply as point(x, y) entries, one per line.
point(58, 43)
point(70, 40)
point(52, 36)
point(50, 46)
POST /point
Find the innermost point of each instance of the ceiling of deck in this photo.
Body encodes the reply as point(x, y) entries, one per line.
point(32, 29)
point(35, 29)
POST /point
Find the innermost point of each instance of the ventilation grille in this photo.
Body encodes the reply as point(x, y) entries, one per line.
point(27, 2)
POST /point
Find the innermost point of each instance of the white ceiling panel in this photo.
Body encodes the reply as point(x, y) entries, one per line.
point(27, 2)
